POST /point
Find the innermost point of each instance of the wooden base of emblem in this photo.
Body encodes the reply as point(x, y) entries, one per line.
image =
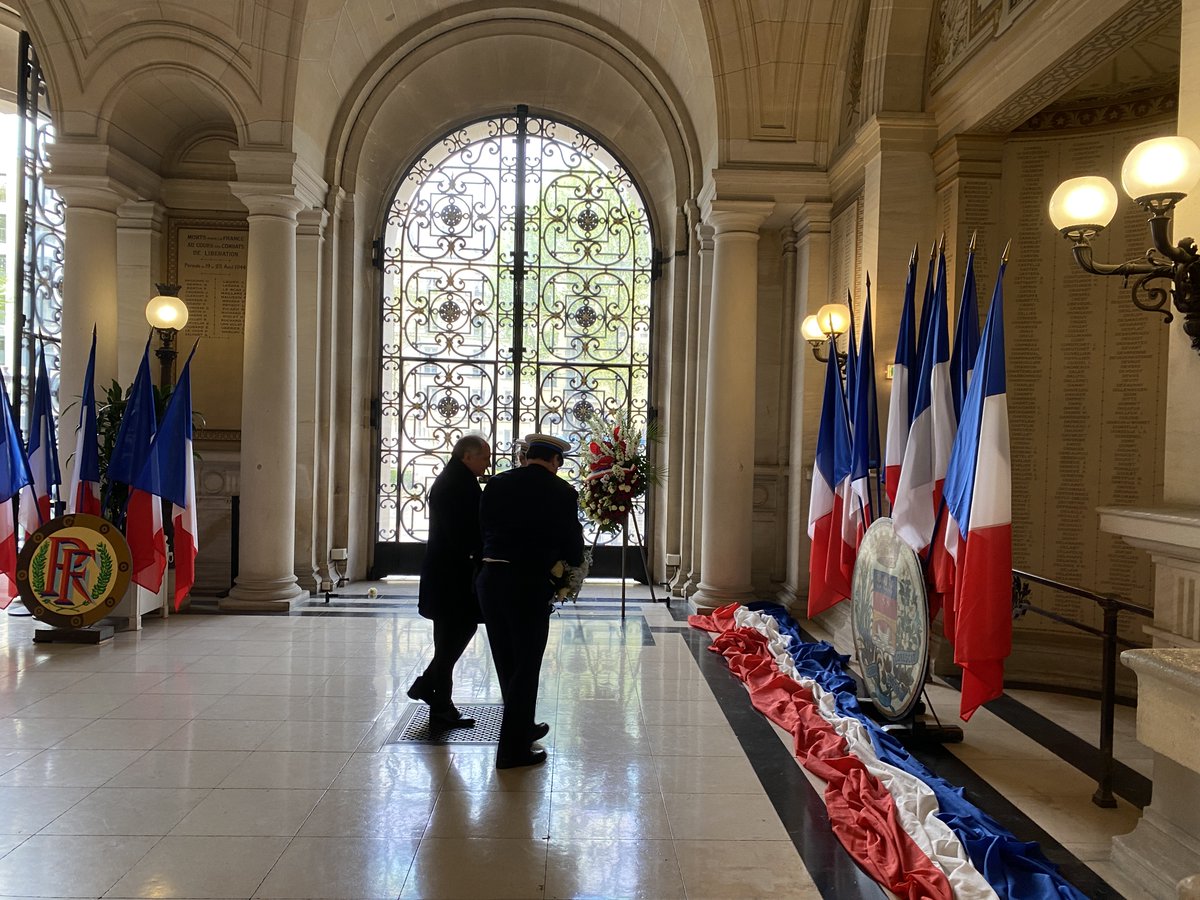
point(97, 634)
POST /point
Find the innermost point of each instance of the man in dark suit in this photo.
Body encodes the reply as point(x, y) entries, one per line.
point(530, 521)
point(447, 590)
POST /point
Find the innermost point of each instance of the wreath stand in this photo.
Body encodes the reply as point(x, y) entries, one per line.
point(630, 517)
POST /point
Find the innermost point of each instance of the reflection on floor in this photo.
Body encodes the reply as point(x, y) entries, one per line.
point(244, 756)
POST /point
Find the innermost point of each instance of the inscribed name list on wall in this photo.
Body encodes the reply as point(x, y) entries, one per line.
point(1086, 379)
point(208, 261)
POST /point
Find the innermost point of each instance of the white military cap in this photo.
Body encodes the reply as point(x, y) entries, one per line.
point(556, 444)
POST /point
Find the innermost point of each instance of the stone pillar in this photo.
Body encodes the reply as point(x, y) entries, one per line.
point(811, 225)
point(89, 286)
point(687, 422)
point(266, 549)
point(310, 241)
point(728, 473)
point(325, 365)
point(967, 170)
point(139, 269)
point(672, 348)
point(704, 253)
point(1164, 849)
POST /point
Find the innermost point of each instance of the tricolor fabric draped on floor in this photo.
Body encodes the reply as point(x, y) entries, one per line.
point(912, 831)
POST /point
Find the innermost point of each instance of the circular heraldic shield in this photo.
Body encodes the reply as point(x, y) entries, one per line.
point(74, 570)
point(891, 620)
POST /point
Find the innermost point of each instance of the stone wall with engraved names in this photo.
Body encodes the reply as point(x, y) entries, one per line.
point(1086, 378)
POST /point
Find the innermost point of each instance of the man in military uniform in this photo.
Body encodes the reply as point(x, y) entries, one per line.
point(447, 594)
point(530, 521)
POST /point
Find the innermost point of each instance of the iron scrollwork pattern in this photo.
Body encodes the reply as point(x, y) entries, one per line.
point(42, 240)
point(517, 261)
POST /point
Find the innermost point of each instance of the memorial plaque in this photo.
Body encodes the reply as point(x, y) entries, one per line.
point(208, 261)
point(891, 620)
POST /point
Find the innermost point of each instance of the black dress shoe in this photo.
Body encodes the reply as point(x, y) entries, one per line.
point(450, 718)
point(540, 730)
point(528, 758)
point(420, 690)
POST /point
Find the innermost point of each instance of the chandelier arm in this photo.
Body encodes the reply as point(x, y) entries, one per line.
point(1157, 296)
point(1082, 249)
point(1160, 230)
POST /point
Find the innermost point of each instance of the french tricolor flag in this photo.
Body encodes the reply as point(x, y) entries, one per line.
point(927, 454)
point(966, 336)
point(861, 507)
point(130, 458)
point(828, 587)
point(900, 406)
point(979, 522)
point(84, 494)
point(170, 473)
point(14, 475)
point(39, 496)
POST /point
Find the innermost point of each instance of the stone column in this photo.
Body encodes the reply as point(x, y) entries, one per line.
point(672, 346)
point(139, 268)
point(310, 241)
point(811, 224)
point(89, 286)
point(266, 549)
point(728, 482)
point(685, 435)
point(704, 253)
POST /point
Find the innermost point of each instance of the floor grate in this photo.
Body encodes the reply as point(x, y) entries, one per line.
point(415, 727)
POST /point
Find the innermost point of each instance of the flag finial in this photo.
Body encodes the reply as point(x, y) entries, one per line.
point(974, 236)
point(942, 243)
point(1004, 256)
point(912, 259)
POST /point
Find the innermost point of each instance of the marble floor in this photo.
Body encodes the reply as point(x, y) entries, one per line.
point(221, 756)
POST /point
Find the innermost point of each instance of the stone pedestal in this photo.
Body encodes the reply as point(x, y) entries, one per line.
point(1164, 848)
point(725, 557)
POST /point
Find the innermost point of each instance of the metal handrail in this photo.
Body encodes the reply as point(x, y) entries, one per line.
point(1112, 606)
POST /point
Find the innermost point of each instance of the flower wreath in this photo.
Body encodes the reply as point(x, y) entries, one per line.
point(618, 472)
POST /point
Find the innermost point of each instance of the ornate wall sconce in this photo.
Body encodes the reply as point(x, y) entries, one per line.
point(830, 323)
point(1157, 174)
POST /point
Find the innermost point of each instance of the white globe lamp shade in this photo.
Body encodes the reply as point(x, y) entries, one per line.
point(1084, 204)
point(166, 311)
point(833, 319)
point(1167, 165)
point(810, 329)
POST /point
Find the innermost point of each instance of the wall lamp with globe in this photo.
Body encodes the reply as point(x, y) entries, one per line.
point(168, 315)
point(823, 330)
point(1157, 174)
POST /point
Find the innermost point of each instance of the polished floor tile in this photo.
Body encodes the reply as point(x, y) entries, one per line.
point(613, 868)
point(201, 868)
point(333, 868)
point(44, 866)
point(244, 756)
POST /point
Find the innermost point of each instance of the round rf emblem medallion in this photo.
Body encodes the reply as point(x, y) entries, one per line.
point(74, 570)
point(891, 620)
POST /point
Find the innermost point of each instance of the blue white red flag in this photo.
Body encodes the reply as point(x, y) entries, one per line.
point(170, 473)
point(979, 522)
point(39, 496)
point(823, 528)
point(14, 475)
point(966, 336)
point(927, 454)
point(130, 456)
point(83, 495)
point(900, 406)
point(860, 511)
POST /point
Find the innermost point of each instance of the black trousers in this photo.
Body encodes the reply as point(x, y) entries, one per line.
point(450, 639)
point(516, 609)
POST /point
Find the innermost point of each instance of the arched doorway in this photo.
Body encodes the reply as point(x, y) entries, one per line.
point(518, 260)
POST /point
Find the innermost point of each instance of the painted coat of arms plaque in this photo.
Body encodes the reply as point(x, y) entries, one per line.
point(891, 620)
